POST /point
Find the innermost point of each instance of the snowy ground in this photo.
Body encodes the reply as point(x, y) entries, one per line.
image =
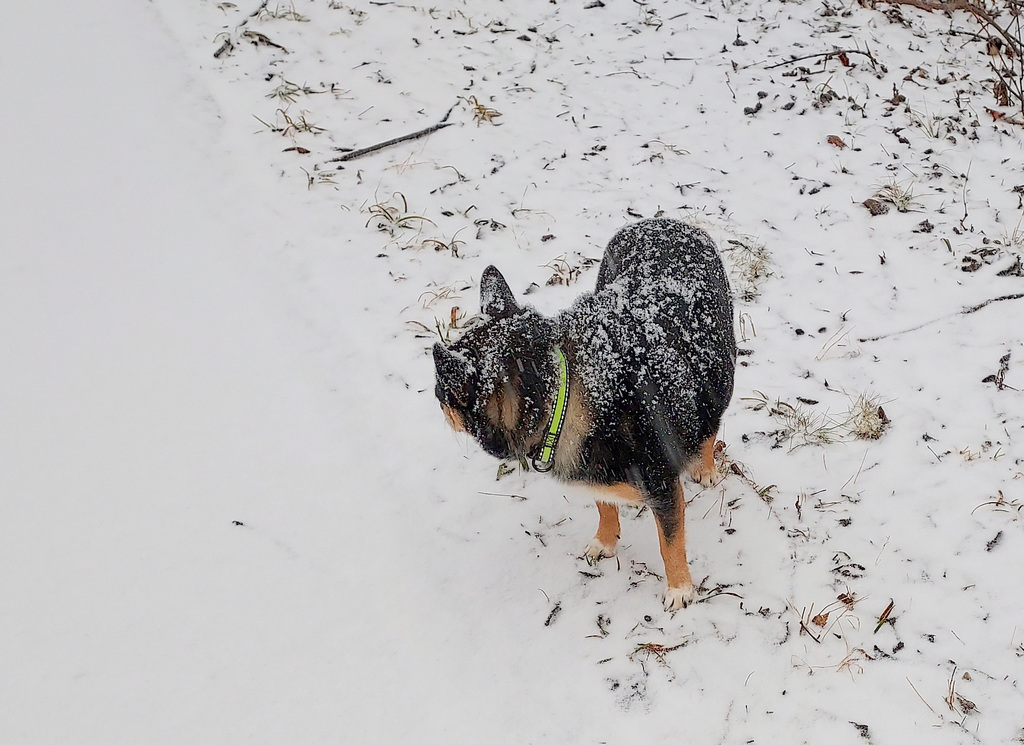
point(230, 510)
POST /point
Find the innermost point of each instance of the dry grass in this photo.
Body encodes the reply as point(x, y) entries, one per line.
point(750, 264)
point(282, 14)
point(900, 196)
point(391, 218)
point(866, 419)
point(288, 125)
point(482, 113)
point(566, 271)
point(801, 424)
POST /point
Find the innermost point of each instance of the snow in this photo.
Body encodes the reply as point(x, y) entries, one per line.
point(230, 508)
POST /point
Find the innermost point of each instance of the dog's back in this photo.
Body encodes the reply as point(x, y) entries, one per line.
point(654, 344)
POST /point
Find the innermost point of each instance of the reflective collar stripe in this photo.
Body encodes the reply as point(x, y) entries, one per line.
point(545, 461)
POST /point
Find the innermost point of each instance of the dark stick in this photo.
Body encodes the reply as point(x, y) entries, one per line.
point(979, 306)
point(965, 311)
point(834, 53)
point(227, 46)
point(388, 143)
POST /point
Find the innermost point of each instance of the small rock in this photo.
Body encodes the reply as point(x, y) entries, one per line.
point(875, 207)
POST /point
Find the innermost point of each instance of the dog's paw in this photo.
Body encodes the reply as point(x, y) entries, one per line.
point(706, 477)
point(597, 550)
point(679, 597)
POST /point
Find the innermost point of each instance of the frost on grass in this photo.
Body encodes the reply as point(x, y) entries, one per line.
point(750, 264)
point(393, 216)
point(801, 424)
point(866, 419)
point(899, 195)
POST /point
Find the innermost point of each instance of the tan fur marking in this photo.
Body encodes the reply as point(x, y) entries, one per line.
point(677, 572)
point(503, 408)
point(703, 469)
point(608, 524)
point(618, 493)
point(454, 418)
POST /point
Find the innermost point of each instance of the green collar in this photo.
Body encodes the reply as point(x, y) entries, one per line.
point(544, 460)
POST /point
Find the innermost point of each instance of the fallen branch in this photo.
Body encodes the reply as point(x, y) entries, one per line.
point(1009, 77)
point(948, 6)
point(352, 155)
point(827, 55)
point(979, 306)
point(965, 311)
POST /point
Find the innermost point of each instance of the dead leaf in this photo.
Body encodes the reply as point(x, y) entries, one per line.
point(1002, 93)
point(836, 141)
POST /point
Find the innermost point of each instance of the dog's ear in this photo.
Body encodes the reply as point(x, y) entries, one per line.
point(454, 375)
point(496, 298)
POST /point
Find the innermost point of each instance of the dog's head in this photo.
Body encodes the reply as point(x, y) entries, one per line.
point(493, 382)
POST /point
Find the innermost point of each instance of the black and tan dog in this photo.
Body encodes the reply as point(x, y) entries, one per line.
point(623, 391)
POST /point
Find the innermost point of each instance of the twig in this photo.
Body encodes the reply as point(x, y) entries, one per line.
point(263, 6)
point(496, 494)
point(986, 20)
point(979, 306)
point(834, 53)
point(965, 311)
point(922, 699)
point(947, 6)
point(228, 46)
point(388, 143)
point(554, 612)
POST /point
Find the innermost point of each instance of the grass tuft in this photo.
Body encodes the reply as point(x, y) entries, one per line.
point(750, 264)
point(899, 196)
point(866, 419)
point(389, 218)
point(482, 113)
point(283, 14)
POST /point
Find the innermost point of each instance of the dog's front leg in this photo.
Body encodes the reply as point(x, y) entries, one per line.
point(603, 543)
point(669, 508)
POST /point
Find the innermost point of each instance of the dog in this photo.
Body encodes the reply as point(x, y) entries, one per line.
point(623, 391)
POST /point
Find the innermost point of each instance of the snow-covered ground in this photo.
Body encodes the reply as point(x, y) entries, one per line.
point(230, 509)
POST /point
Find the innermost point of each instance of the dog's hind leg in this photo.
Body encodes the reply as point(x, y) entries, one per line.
point(603, 544)
point(703, 470)
point(671, 520)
